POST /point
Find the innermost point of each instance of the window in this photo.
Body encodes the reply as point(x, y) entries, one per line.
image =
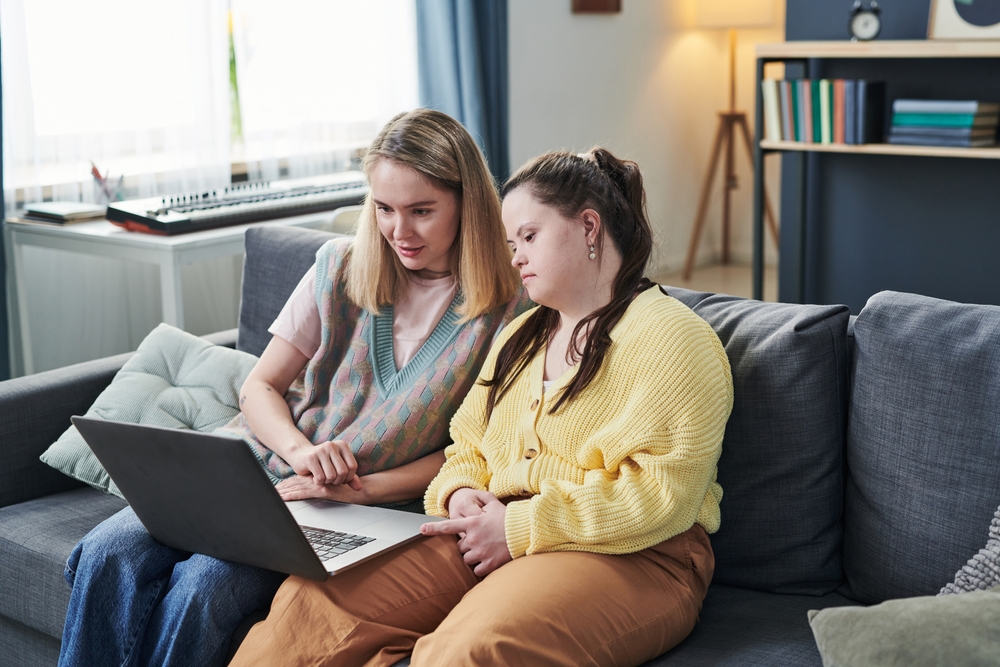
point(142, 89)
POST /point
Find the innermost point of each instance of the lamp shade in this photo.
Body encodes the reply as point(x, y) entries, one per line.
point(734, 13)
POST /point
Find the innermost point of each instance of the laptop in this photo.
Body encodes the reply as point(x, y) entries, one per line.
point(208, 494)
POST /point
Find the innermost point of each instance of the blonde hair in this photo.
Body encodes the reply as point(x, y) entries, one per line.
point(438, 147)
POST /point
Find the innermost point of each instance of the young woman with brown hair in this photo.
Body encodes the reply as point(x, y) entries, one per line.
point(581, 482)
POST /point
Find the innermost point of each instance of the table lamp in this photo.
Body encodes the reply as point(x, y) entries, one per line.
point(729, 15)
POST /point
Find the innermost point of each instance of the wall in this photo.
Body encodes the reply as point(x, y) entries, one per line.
point(876, 222)
point(646, 85)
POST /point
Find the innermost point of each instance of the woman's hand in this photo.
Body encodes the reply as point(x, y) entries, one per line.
point(466, 502)
point(301, 487)
point(330, 463)
point(484, 547)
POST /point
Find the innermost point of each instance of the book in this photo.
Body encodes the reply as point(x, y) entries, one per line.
point(772, 114)
point(954, 142)
point(817, 112)
point(63, 211)
point(945, 132)
point(945, 106)
point(870, 99)
point(787, 125)
point(945, 120)
point(850, 111)
point(796, 91)
point(838, 111)
point(826, 111)
point(805, 111)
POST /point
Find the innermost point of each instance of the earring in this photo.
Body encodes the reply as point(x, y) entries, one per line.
point(592, 255)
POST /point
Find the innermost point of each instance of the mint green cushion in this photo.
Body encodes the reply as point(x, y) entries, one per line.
point(175, 380)
point(912, 632)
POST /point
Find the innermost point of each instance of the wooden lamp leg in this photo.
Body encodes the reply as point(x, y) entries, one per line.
point(721, 135)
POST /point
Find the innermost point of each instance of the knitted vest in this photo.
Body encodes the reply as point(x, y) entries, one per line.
point(350, 389)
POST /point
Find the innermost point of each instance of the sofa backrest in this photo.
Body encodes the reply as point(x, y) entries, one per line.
point(274, 262)
point(781, 469)
point(923, 443)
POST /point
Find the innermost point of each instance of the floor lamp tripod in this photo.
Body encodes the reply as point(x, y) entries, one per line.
point(730, 122)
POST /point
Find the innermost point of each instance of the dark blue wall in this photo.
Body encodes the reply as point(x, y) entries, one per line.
point(874, 222)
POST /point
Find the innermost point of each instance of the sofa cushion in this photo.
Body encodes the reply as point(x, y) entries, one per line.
point(923, 446)
point(174, 380)
point(913, 632)
point(742, 628)
point(275, 261)
point(781, 469)
point(36, 538)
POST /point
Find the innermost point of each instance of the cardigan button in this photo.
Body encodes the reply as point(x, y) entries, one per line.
point(530, 453)
point(534, 404)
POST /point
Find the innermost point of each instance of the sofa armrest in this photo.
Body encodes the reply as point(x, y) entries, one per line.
point(35, 410)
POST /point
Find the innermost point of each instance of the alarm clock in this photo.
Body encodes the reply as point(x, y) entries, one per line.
point(865, 23)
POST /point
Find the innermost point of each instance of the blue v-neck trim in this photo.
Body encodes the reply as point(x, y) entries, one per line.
point(387, 379)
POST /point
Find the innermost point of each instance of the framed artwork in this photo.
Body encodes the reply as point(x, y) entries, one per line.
point(597, 6)
point(964, 19)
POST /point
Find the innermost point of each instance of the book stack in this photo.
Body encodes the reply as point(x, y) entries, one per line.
point(960, 123)
point(824, 111)
point(62, 212)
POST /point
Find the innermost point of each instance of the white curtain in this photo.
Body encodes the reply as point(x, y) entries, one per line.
point(138, 87)
point(318, 78)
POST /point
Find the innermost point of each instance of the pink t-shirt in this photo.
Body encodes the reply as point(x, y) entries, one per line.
point(413, 319)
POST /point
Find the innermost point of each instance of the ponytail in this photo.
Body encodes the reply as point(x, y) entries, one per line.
point(571, 184)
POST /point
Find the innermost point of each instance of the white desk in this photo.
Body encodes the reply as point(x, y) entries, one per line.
point(103, 239)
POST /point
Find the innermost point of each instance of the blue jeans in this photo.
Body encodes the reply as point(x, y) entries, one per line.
point(138, 602)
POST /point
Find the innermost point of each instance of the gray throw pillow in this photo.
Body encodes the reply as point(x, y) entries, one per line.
point(983, 570)
point(912, 632)
point(174, 380)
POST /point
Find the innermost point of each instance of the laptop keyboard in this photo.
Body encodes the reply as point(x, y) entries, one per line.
point(331, 543)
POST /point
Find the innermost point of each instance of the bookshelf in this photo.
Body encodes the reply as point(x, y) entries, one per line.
point(803, 53)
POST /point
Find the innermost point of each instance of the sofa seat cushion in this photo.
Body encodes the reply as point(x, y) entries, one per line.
point(742, 628)
point(36, 538)
point(781, 469)
point(923, 446)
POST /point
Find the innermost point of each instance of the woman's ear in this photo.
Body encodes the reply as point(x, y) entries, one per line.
point(591, 225)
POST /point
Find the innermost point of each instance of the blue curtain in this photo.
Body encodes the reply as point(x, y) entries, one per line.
point(462, 59)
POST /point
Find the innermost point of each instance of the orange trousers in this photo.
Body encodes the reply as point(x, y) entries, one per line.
point(565, 608)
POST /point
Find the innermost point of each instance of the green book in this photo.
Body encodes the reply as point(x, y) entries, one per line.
point(943, 120)
point(817, 109)
point(796, 126)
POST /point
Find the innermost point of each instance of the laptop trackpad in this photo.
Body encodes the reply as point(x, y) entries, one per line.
point(334, 516)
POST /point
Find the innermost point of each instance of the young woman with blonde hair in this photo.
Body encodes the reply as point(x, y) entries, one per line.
point(351, 400)
point(581, 482)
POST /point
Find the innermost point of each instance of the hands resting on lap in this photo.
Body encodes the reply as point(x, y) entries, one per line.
point(477, 517)
point(327, 471)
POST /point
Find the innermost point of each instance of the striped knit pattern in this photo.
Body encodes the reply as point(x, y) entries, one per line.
point(627, 464)
point(350, 389)
point(982, 572)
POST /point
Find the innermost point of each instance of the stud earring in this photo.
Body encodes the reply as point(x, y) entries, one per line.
point(592, 255)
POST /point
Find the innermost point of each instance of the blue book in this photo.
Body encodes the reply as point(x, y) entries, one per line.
point(850, 111)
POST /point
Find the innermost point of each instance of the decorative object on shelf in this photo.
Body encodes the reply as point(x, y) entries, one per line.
point(729, 15)
point(597, 6)
point(865, 23)
point(964, 19)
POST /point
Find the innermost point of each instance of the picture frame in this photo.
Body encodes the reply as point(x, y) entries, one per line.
point(964, 19)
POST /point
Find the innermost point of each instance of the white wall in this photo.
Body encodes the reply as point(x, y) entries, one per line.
point(647, 86)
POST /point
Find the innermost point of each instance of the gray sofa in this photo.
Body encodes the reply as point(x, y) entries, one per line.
point(861, 462)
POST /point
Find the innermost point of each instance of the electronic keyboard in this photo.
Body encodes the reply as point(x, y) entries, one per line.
point(239, 204)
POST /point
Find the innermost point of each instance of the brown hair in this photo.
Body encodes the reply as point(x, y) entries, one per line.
point(437, 146)
point(571, 184)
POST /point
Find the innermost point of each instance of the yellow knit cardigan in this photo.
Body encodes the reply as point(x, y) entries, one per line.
point(627, 464)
